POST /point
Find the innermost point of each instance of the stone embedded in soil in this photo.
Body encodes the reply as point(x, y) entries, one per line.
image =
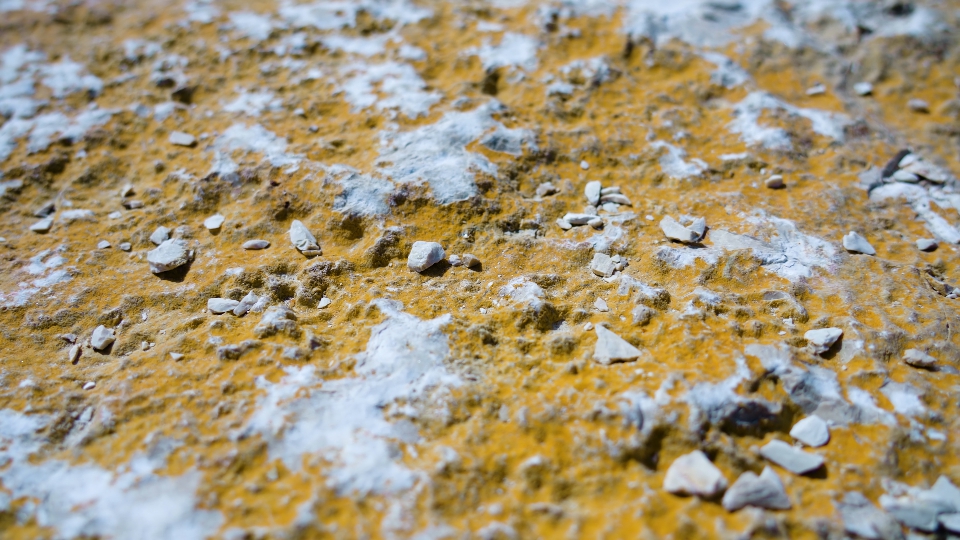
point(423, 255)
point(103, 244)
point(602, 265)
point(246, 304)
point(673, 230)
point(791, 458)
point(641, 315)
point(276, 320)
point(455, 260)
point(816, 90)
point(180, 138)
point(168, 256)
point(221, 305)
point(470, 261)
point(927, 244)
point(601, 305)
point(811, 431)
point(102, 337)
point(918, 105)
point(159, 236)
point(564, 224)
point(302, 238)
point(694, 474)
point(863, 88)
point(324, 302)
point(822, 339)
point(774, 182)
point(214, 222)
point(611, 348)
point(764, 491)
point(918, 358)
point(857, 244)
point(89, 385)
point(253, 245)
point(43, 225)
point(125, 246)
point(592, 192)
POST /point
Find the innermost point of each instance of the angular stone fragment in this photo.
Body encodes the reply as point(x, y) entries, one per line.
point(950, 522)
point(102, 337)
point(865, 520)
point(324, 302)
point(169, 255)
point(790, 458)
point(180, 138)
point(125, 246)
point(255, 244)
point(159, 236)
point(214, 222)
point(822, 339)
point(694, 474)
point(918, 358)
point(592, 192)
point(221, 305)
point(423, 255)
point(103, 244)
point(764, 491)
point(612, 348)
point(857, 244)
point(602, 265)
point(927, 244)
point(470, 261)
point(246, 304)
point(673, 230)
point(545, 189)
point(601, 305)
point(43, 225)
point(811, 431)
point(302, 238)
point(455, 260)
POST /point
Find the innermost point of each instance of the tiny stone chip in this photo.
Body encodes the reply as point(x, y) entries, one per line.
point(857, 244)
point(221, 305)
point(612, 348)
point(918, 358)
point(101, 338)
point(694, 474)
point(43, 225)
point(790, 458)
point(822, 339)
point(161, 235)
point(811, 431)
point(423, 255)
point(256, 244)
point(927, 244)
point(302, 238)
point(214, 222)
point(180, 138)
point(592, 192)
point(470, 261)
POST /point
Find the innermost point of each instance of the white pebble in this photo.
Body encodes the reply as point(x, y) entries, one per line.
point(592, 192)
point(816, 90)
point(918, 105)
point(221, 305)
point(180, 138)
point(918, 358)
point(423, 255)
point(302, 238)
point(470, 261)
point(90, 385)
point(161, 235)
point(74, 355)
point(602, 265)
point(255, 244)
point(102, 337)
point(811, 431)
point(584, 165)
point(857, 244)
point(455, 260)
point(246, 304)
point(564, 224)
point(694, 474)
point(176, 357)
point(125, 246)
point(324, 302)
point(103, 244)
point(214, 222)
point(168, 256)
point(927, 244)
point(863, 88)
point(774, 182)
point(612, 348)
point(601, 305)
point(673, 230)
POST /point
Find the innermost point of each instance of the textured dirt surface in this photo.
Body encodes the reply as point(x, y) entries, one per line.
point(465, 402)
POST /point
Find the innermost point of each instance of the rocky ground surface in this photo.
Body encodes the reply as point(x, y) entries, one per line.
point(495, 270)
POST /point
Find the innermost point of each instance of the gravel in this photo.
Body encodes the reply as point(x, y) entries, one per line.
point(612, 348)
point(102, 337)
point(256, 244)
point(857, 244)
point(811, 431)
point(423, 255)
point(168, 256)
point(790, 458)
point(694, 474)
point(221, 305)
point(764, 491)
point(822, 339)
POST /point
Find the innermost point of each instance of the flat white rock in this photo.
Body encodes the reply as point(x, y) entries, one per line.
point(673, 230)
point(822, 339)
point(764, 491)
point(214, 222)
point(602, 265)
point(592, 191)
point(918, 358)
point(43, 225)
point(168, 255)
point(790, 458)
point(102, 338)
point(180, 138)
point(601, 305)
point(301, 237)
point(103, 244)
point(863, 88)
point(694, 474)
point(455, 260)
point(858, 244)
point(811, 431)
point(161, 235)
point(246, 304)
point(221, 305)
point(423, 255)
point(324, 302)
point(578, 219)
point(612, 348)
